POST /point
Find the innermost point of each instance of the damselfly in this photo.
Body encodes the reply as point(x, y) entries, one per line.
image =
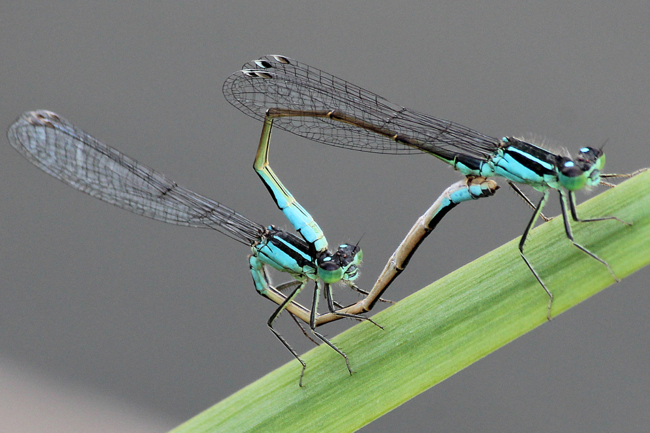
point(74, 157)
point(316, 105)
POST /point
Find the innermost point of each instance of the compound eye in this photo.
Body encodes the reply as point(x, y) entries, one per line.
point(570, 175)
point(328, 264)
point(569, 168)
point(329, 270)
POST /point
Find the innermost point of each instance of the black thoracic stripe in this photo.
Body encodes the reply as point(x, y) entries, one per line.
point(280, 239)
point(533, 150)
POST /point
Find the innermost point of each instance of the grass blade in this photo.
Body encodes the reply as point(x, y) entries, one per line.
point(444, 327)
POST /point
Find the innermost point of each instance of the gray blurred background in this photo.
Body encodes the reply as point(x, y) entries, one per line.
point(159, 322)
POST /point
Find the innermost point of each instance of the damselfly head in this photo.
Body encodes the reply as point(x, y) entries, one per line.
point(583, 171)
point(340, 265)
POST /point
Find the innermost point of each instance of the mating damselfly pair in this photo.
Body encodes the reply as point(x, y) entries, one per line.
point(304, 100)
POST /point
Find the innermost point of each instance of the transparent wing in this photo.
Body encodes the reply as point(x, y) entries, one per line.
point(60, 149)
point(280, 82)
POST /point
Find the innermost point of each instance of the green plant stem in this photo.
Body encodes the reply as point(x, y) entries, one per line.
point(444, 327)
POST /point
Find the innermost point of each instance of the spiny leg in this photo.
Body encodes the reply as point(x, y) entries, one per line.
point(331, 304)
point(366, 293)
point(525, 198)
point(574, 212)
point(313, 325)
point(622, 176)
point(286, 286)
point(569, 233)
point(618, 176)
point(286, 302)
point(275, 315)
point(276, 295)
point(524, 236)
point(263, 287)
point(302, 328)
point(333, 310)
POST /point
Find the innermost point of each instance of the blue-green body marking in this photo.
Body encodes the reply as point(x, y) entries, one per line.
point(314, 104)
